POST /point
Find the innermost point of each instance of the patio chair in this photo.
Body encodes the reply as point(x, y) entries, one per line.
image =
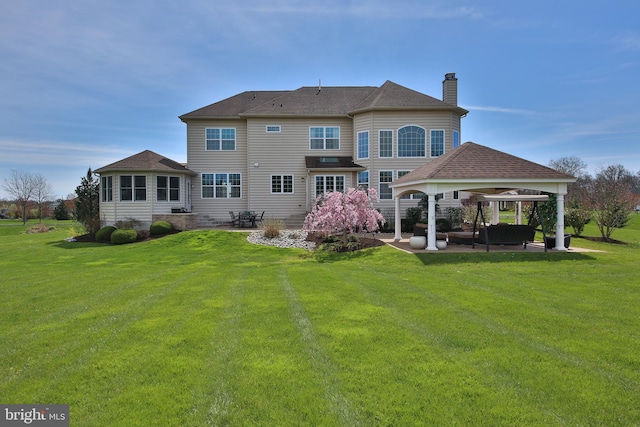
point(259, 220)
point(234, 219)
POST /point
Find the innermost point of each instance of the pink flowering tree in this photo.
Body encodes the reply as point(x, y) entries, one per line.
point(337, 213)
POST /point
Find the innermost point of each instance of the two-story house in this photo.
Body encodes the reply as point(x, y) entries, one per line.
point(277, 151)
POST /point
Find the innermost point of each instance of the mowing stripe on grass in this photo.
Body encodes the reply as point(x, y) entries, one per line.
point(325, 370)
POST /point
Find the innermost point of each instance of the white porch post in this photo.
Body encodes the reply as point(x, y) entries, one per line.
point(495, 217)
point(560, 223)
point(519, 213)
point(398, 220)
point(431, 227)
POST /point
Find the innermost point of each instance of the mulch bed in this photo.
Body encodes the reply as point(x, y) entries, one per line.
point(364, 242)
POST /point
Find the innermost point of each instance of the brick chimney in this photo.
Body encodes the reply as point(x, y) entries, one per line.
point(450, 89)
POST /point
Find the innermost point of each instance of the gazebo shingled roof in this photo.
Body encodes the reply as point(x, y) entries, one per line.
point(475, 161)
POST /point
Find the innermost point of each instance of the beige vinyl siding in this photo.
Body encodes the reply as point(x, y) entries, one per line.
point(202, 161)
point(284, 154)
point(376, 121)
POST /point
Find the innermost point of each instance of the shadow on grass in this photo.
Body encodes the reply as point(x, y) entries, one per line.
point(63, 244)
point(500, 257)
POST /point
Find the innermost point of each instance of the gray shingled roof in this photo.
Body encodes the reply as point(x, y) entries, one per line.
point(146, 161)
point(393, 96)
point(472, 161)
point(235, 105)
point(325, 101)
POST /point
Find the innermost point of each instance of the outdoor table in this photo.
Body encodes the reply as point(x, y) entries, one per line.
point(247, 216)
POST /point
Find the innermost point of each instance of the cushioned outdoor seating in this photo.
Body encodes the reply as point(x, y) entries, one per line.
point(506, 235)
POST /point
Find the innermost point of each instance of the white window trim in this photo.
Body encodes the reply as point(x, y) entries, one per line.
point(103, 189)
point(358, 145)
point(235, 138)
point(169, 189)
point(368, 183)
point(392, 144)
point(426, 143)
point(133, 188)
point(344, 183)
point(214, 186)
point(324, 142)
point(444, 142)
point(380, 183)
point(273, 128)
point(293, 182)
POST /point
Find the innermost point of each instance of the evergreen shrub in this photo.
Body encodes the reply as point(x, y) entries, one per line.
point(124, 235)
point(104, 234)
point(160, 228)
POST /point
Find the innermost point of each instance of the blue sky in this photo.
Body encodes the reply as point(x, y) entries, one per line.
point(85, 83)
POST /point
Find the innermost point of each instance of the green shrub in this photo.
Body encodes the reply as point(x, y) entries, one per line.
point(160, 228)
point(443, 225)
point(124, 235)
point(104, 234)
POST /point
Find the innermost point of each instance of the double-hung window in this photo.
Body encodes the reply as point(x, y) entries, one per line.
point(168, 188)
point(384, 192)
point(363, 180)
point(437, 143)
point(221, 185)
point(324, 138)
point(385, 143)
point(327, 183)
point(107, 188)
point(411, 142)
point(363, 145)
point(220, 139)
point(282, 184)
point(133, 188)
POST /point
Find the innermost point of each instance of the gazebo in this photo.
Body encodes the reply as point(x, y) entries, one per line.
point(482, 170)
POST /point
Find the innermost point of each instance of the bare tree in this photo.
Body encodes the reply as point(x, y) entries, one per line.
point(575, 167)
point(21, 186)
point(609, 196)
point(42, 192)
point(571, 165)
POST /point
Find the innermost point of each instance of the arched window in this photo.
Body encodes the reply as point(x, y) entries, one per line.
point(411, 142)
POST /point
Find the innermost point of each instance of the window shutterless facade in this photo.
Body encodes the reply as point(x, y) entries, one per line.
point(133, 188)
point(282, 184)
point(411, 142)
point(385, 178)
point(327, 183)
point(274, 129)
point(106, 184)
point(221, 185)
point(363, 145)
point(385, 143)
point(324, 138)
point(168, 188)
point(437, 143)
point(220, 139)
point(456, 138)
point(363, 180)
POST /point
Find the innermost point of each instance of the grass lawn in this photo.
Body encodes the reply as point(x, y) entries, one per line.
point(202, 328)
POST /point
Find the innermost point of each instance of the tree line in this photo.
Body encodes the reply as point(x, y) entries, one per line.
point(608, 198)
point(33, 190)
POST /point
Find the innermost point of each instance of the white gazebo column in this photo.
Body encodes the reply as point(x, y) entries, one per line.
point(398, 220)
point(495, 215)
point(519, 212)
point(560, 223)
point(431, 227)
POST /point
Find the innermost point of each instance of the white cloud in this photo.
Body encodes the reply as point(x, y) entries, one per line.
point(629, 41)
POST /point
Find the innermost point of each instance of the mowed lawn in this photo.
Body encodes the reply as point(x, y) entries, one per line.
point(202, 328)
